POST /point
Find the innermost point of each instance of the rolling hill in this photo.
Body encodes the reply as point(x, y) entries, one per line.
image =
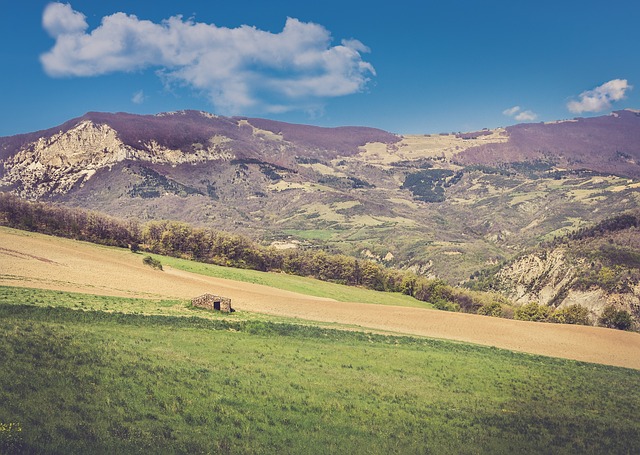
point(104, 354)
point(39, 261)
point(444, 205)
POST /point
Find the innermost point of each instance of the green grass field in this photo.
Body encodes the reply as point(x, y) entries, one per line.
point(101, 381)
point(295, 283)
point(181, 308)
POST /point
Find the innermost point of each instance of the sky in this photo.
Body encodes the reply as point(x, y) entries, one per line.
point(409, 67)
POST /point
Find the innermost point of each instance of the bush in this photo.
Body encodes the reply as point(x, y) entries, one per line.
point(466, 302)
point(533, 312)
point(573, 314)
point(445, 305)
point(148, 260)
point(508, 312)
point(491, 309)
point(615, 319)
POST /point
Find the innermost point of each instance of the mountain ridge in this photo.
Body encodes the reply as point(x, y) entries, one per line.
point(565, 144)
point(445, 205)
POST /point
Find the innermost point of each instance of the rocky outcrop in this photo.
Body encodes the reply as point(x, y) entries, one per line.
point(536, 277)
point(55, 164)
point(551, 278)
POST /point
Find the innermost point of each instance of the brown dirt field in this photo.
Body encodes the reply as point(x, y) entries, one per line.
point(33, 260)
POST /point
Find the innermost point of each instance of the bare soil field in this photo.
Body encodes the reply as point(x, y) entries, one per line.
point(34, 260)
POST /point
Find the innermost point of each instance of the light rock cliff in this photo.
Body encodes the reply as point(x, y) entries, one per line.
point(549, 278)
point(55, 164)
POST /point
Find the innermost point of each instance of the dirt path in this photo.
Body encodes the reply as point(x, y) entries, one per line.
point(32, 260)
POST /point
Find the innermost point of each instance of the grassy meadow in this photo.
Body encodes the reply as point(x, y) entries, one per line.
point(87, 374)
point(294, 283)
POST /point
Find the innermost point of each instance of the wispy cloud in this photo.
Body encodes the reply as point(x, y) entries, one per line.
point(511, 111)
point(239, 69)
point(522, 116)
point(138, 97)
point(600, 98)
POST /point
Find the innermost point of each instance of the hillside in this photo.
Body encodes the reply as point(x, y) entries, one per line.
point(443, 205)
point(596, 268)
point(90, 374)
point(571, 144)
point(105, 354)
point(48, 262)
point(90, 371)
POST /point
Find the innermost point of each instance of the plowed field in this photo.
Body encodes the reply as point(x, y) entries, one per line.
point(33, 260)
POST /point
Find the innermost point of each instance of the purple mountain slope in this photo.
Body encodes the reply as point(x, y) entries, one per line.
point(345, 139)
point(608, 144)
point(181, 130)
point(408, 203)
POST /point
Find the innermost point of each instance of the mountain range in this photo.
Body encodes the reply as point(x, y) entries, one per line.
point(447, 204)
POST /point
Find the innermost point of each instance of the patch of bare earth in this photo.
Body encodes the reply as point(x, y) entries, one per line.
point(33, 260)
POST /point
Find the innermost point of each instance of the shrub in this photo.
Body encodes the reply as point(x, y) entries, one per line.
point(572, 314)
point(607, 278)
point(491, 309)
point(508, 312)
point(466, 302)
point(445, 305)
point(533, 312)
point(615, 319)
point(148, 260)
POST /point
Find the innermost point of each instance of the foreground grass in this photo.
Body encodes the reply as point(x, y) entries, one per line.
point(294, 283)
point(97, 382)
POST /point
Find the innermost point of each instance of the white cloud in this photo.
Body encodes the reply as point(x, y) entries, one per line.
point(239, 69)
point(59, 19)
point(511, 111)
point(600, 98)
point(138, 97)
point(522, 116)
point(526, 116)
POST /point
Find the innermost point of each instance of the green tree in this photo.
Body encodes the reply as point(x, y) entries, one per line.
point(533, 312)
point(408, 285)
point(615, 319)
point(572, 314)
point(491, 309)
point(371, 275)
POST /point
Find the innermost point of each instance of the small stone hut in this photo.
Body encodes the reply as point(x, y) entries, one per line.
point(213, 302)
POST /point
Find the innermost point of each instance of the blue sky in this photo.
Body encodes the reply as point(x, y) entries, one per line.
point(404, 66)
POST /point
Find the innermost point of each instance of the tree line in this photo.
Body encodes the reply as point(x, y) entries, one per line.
point(179, 239)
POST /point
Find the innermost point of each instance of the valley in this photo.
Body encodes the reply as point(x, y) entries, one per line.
point(444, 205)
